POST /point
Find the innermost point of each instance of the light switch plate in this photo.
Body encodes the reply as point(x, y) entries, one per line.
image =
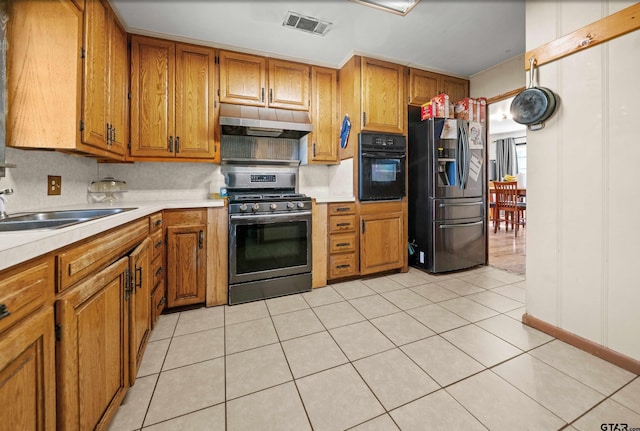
point(54, 185)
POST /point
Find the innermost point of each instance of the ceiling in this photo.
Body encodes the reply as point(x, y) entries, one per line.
point(456, 37)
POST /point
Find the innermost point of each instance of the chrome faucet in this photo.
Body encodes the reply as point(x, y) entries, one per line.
point(3, 213)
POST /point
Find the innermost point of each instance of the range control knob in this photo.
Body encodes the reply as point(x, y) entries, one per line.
point(290, 205)
point(255, 207)
point(242, 207)
point(300, 204)
point(273, 207)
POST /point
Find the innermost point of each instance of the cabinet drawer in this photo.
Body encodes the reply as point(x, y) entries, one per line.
point(342, 223)
point(340, 209)
point(158, 302)
point(77, 262)
point(342, 243)
point(157, 244)
point(23, 289)
point(342, 265)
point(185, 217)
point(158, 270)
point(155, 222)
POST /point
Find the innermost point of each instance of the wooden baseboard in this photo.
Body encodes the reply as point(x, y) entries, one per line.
point(581, 343)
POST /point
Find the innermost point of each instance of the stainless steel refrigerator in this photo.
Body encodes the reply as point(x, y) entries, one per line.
point(447, 215)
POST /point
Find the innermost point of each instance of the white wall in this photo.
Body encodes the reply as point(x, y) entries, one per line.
point(583, 239)
point(499, 79)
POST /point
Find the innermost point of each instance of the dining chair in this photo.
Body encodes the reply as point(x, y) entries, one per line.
point(507, 202)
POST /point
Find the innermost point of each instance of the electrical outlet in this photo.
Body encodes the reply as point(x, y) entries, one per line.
point(54, 185)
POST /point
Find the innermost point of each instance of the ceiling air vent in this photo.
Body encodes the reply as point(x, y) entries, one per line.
point(306, 23)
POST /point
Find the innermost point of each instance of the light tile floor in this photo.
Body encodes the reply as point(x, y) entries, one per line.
point(406, 351)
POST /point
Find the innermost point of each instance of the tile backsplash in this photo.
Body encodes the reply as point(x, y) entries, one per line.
point(145, 181)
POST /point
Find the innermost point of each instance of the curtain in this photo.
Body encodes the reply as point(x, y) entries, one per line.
point(506, 158)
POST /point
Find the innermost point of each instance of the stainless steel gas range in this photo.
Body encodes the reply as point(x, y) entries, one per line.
point(269, 233)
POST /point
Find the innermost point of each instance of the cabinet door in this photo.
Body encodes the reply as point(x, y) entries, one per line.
point(456, 88)
point(96, 66)
point(324, 115)
point(195, 120)
point(383, 103)
point(242, 78)
point(27, 374)
point(288, 85)
point(423, 86)
point(92, 354)
point(44, 74)
point(152, 97)
point(381, 243)
point(118, 87)
point(186, 264)
point(139, 305)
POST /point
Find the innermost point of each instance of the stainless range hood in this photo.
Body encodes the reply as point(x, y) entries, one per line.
point(267, 122)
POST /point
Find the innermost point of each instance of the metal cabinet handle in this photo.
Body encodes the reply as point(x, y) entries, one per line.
point(314, 149)
point(161, 302)
point(138, 283)
point(201, 239)
point(113, 138)
point(343, 244)
point(3, 311)
point(271, 95)
point(364, 119)
point(346, 265)
point(159, 271)
point(262, 94)
point(159, 244)
point(363, 228)
point(343, 224)
point(342, 209)
point(177, 144)
point(171, 144)
point(158, 222)
point(108, 135)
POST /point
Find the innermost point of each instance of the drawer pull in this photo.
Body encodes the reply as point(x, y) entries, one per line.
point(343, 244)
point(138, 282)
point(159, 244)
point(159, 271)
point(161, 302)
point(343, 224)
point(3, 311)
point(346, 265)
point(341, 209)
point(158, 222)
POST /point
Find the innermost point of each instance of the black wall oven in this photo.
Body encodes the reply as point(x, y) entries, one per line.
point(382, 166)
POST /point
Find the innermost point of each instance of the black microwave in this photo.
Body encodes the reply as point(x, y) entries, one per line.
point(382, 166)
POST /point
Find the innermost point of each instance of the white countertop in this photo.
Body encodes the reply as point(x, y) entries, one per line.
point(20, 246)
point(326, 199)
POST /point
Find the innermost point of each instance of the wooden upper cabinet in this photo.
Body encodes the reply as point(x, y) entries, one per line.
point(44, 75)
point(323, 141)
point(456, 88)
point(423, 85)
point(173, 104)
point(118, 113)
point(196, 127)
point(242, 78)
point(289, 85)
point(152, 97)
point(104, 101)
point(383, 100)
point(244, 81)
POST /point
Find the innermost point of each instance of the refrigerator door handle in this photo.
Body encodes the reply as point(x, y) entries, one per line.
point(450, 226)
point(461, 204)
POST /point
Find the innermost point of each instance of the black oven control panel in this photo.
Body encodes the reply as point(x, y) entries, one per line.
point(382, 142)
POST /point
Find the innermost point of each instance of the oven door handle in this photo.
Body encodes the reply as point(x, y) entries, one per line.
point(384, 155)
point(268, 217)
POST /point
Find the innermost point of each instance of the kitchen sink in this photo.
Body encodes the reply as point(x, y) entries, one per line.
point(55, 219)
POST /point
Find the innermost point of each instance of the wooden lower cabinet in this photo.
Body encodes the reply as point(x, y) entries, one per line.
point(186, 234)
point(93, 351)
point(382, 237)
point(343, 236)
point(27, 374)
point(139, 305)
